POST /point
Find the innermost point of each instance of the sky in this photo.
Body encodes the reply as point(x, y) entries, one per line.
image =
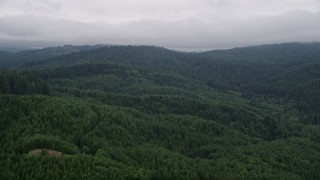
point(176, 24)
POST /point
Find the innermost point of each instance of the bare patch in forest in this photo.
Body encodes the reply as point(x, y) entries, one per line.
point(47, 152)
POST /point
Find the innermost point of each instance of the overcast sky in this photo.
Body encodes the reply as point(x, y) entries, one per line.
point(181, 24)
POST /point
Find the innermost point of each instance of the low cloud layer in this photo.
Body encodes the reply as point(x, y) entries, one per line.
point(180, 24)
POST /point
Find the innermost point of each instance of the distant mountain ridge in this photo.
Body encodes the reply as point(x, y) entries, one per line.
point(14, 60)
point(278, 54)
point(285, 54)
point(222, 69)
point(60, 50)
point(4, 53)
point(261, 70)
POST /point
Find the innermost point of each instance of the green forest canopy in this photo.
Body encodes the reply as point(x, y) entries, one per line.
point(144, 112)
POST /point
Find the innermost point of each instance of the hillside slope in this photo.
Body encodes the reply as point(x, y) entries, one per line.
point(150, 113)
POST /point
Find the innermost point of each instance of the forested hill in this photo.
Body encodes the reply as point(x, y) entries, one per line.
point(283, 55)
point(14, 60)
point(224, 69)
point(4, 53)
point(287, 55)
point(145, 112)
point(54, 51)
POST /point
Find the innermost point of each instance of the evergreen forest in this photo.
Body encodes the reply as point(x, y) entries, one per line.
point(146, 112)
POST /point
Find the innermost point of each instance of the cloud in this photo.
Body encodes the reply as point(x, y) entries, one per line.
point(187, 24)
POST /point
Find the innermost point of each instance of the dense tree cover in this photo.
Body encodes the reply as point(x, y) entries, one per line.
point(146, 145)
point(14, 60)
point(302, 86)
point(223, 69)
point(214, 72)
point(286, 55)
point(107, 131)
point(4, 53)
point(256, 162)
point(21, 83)
point(150, 113)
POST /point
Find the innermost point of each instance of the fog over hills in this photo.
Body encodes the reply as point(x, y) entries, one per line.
point(186, 25)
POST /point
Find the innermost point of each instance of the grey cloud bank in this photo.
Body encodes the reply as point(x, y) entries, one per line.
point(202, 24)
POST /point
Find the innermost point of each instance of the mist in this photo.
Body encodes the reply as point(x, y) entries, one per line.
point(185, 25)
